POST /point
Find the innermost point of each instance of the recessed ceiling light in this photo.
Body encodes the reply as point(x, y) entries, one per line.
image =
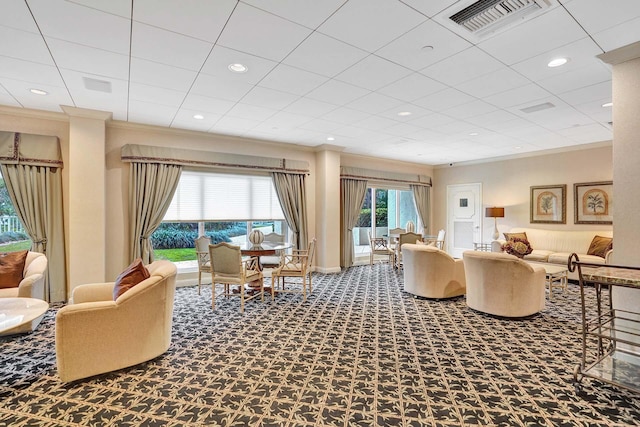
point(517, 147)
point(330, 138)
point(427, 48)
point(404, 113)
point(473, 133)
point(557, 62)
point(38, 91)
point(607, 104)
point(198, 116)
point(238, 68)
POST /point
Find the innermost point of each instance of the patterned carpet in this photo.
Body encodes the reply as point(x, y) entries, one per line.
point(359, 352)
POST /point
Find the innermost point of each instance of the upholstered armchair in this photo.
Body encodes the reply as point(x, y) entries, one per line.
point(503, 284)
point(95, 334)
point(403, 239)
point(432, 273)
point(32, 283)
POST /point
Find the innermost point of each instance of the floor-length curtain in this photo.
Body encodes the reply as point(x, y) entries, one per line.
point(36, 193)
point(423, 203)
point(290, 189)
point(352, 193)
point(151, 189)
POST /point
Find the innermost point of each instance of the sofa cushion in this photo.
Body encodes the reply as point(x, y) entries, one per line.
point(540, 255)
point(600, 246)
point(135, 273)
point(12, 268)
point(510, 236)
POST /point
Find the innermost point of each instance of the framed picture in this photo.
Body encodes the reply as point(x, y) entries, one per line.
point(549, 204)
point(593, 202)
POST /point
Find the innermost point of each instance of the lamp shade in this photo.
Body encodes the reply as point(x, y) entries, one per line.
point(494, 212)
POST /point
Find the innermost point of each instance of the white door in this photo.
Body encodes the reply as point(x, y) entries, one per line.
point(464, 217)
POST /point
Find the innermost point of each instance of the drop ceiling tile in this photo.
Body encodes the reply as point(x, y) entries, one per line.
point(205, 104)
point(215, 87)
point(154, 94)
point(310, 107)
point(282, 121)
point(155, 74)
point(415, 111)
point(202, 19)
point(190, 125)
point(494, 117)
point(412, 87)
point(79, 24)
point(429, 8)
point(409, 49)
point(324, 55)
point(320, 125)
point(455, 128)
point(596, 111)
point(373, 73)
point(598, 91)
point(375, 123)
point(15, 14)
point(260, 33)
point(585, 76)
point(580, 53)
point(235, 123)
point(292, 80)
point(151, 114)
point(466, 65)
point(246, 111)
point(374, 103)
point(587, 133)
point(185, 120)
point(432, 120)
point(268, 98)
point(622, 35)
point(114, 101)
point(309, 13)
point(444, 99)
point(538, 35)
point(19, 89)
point(116, 7)
point(492, 83)
point(29, 71)
point(528, 93)
point(471, 109)
point(402, 129)
point(24, 45)
point(370, 24)
point(165, 47)
point(218, 62)
point(6, 99)
point(596, 16)
point(337, 92)
point(87, 59)
point(345, 115)
point(559, 118)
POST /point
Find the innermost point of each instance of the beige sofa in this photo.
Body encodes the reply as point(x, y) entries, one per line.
point(503, 284)
point(32, 284)
point(432, 273)
point(96, 334)
point(555, 246)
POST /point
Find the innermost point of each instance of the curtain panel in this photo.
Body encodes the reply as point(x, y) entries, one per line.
point(291, 192)
point(422, 199)
point(31, 168)
point(352, 193)
point(151, 189)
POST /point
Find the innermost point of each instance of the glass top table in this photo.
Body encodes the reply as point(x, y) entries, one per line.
point(21, 315)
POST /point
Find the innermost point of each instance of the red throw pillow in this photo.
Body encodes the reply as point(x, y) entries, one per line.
point(12, 268)
point(600, 246)
point(131, 276)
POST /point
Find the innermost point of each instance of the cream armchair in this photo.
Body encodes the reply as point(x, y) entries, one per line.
point(32, 283)
point(503, 284)
point(96, 334)
point(432, 273)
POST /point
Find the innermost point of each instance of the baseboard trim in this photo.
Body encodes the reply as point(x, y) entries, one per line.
point(327, 270)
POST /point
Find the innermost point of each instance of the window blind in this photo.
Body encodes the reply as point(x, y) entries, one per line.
point(203, 196)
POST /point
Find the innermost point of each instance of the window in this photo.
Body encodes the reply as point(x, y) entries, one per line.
point(12, 235)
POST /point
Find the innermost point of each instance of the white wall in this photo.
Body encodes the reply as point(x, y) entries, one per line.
point(507, 183)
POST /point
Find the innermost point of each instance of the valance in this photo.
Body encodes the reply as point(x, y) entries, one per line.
point(178, 156)
point(384, 176)
point(29, 149)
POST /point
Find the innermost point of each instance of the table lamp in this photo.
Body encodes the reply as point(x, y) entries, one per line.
point(495, 213)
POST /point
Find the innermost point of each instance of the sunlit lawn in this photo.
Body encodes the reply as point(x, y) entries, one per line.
point(175, 255)
point(16, 246)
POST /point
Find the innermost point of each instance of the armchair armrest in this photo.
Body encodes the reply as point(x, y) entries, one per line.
point(496, 245)
point(92, 292)
point(607, 257)
point(32, 286)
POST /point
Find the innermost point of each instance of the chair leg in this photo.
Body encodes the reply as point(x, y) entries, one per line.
point(273, 290)
point(304, 287)
point(213, 295)
point(199, 280)
point(241, 298)
point(262, 289)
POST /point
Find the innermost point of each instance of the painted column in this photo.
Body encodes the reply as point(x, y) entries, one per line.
point(86, 197)
point(328, 209)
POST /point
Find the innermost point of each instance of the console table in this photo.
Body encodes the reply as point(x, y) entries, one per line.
point(611, 330)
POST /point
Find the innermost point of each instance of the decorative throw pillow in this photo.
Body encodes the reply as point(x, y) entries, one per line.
point(600, 246)
point(511, 236)
point(131, 276)
point(12, 268)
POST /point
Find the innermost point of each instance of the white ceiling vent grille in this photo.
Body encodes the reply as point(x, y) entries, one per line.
point(487, 16)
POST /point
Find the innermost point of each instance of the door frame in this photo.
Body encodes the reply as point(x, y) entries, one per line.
point(478, 208)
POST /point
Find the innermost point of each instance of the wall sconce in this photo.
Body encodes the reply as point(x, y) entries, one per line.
point(495, 213)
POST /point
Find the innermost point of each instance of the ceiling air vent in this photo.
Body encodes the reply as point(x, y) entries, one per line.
point(487, 16)
point(538, 107)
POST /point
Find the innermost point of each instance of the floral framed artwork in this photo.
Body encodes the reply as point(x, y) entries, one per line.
point(593, 202)
point(549, 204)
